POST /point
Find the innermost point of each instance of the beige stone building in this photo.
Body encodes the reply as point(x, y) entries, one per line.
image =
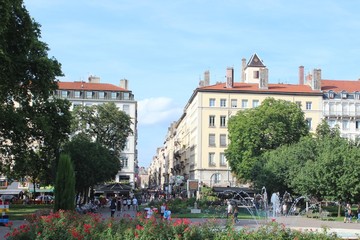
point(194, 146)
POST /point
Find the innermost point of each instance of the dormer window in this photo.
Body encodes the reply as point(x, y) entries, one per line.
point(64, 94)
point(89, 94)
point(256, 74)
point(331, 94)
point(357, 95)
point(344, 95)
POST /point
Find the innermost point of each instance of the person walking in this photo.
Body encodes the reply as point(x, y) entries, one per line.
point(162, 209)
point(347, 214)
point(358, 214)
point(128, 201)
point(113, 206)
point(167, 214)
point(135, 203)
point(124, 204)
point(229, 209)
point(236, 213)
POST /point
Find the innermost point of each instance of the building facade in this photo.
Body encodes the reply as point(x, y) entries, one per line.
point(95, 93)
point(195, 144)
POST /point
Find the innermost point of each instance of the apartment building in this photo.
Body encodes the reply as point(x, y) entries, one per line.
point(195, 144)
point(94, 92)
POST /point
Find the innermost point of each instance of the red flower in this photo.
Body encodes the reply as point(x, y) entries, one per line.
point(138, 227)
point(87, 228)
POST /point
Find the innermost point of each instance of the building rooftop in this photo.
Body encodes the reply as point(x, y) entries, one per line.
point(89, 86)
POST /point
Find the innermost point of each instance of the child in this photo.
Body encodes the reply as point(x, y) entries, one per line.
point(167, 214)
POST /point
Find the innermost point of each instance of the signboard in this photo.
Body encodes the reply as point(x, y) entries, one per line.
point(193, 185)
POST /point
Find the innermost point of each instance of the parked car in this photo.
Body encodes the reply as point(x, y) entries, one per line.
point(8, 198)
point(44, 199)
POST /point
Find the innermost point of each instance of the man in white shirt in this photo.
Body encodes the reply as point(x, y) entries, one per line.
point(135, 203)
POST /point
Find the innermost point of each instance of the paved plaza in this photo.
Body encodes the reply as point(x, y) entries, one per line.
point(345, 230)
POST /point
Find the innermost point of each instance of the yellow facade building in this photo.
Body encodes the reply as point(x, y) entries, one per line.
point(194, 146)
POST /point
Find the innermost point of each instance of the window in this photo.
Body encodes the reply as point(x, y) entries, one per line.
point(332, 108)
point(331, 123)
point(211, 140)
point(89, 94)
point(331, 94)
point(256, 74)
point(64, 94)
point(222, 140)
point(357, 125)
point(344, 95)
point(255, 103)
point(298, 103)
point(309, 122)
point(222, 102)
point(222, 159)
point(211, 121)
point(357, 96)
point(212, 159)
point(234, 103)
point(113, 95)
point(308, 105)
point(244, 103)
point(222, 121)
point(101, 95)
point(345, 125)
point(77, 94)
point(126, 95)
point(215, 178)
point(126, 109)
point(212, 102)
point(125, 162)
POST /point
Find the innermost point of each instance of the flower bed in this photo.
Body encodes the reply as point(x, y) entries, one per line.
point(70, 225)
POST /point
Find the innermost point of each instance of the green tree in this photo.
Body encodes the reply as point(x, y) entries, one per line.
point(65, 184)
point(105, 123)
point(252, 132)
point(278, 167)
point(28, 134)
point(93, 163)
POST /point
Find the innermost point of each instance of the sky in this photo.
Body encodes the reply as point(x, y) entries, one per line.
point(163, 47)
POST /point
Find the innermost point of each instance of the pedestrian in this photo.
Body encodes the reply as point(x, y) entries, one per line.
point(347, 213)
point(229, 209)
point(236, 213)
point(162, 209)
point(113, 206)
point(135, 203)
point(124, 204)
point(128, 201)
point(167, 214)
point(118, 204)
point(358, 214)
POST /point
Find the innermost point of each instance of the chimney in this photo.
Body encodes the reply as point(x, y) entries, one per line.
point(93, 79)
point(316, 81)
point(229, 77)
point(301, 75)
point(243, 65)
point(207, 78)
point(124, 84)
point(264, 78)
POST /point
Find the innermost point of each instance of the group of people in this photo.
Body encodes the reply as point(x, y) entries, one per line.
point(349, 214)
point(121, 204)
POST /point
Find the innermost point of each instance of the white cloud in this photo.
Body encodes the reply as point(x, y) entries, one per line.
point(157, 110)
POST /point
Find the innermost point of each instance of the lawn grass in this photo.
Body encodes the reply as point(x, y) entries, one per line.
point(21, 212)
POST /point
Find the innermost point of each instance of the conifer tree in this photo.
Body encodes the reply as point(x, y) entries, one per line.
point(65, 184)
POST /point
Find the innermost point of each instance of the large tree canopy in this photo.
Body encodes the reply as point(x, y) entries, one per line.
point(32, 125)
point(105, 123)
point(252, 132)
point(93, 163)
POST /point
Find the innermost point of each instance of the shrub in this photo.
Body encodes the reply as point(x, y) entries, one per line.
point(70, 225)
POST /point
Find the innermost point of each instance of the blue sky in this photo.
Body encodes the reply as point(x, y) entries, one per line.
point(164, 47)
